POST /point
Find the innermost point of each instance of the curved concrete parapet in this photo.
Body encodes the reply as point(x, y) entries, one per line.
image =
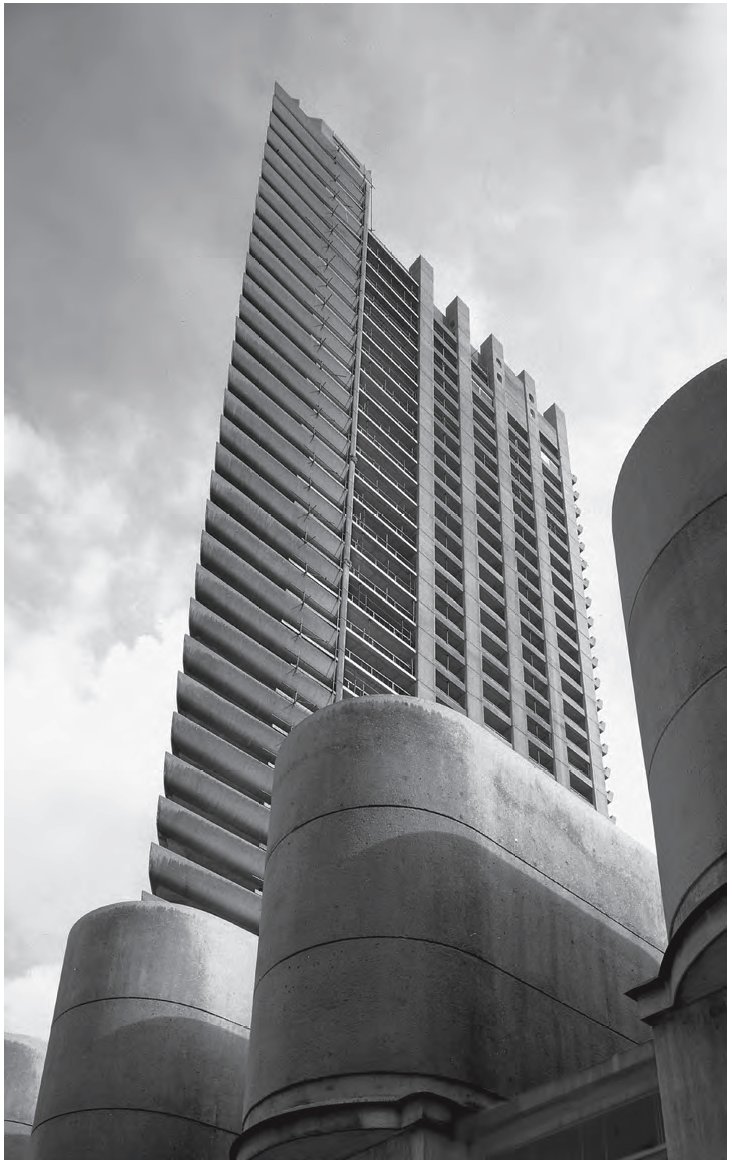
point(148, 1045)
point(175, 879)
point(442, 925)
point(23, 1066)
point(669, 525)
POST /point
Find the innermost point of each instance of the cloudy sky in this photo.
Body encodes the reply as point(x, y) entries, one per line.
point(561, 167)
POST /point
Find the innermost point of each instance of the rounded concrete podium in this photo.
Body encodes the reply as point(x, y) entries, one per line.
point(442, 927)
point(23, 1067)
point(147, 1051)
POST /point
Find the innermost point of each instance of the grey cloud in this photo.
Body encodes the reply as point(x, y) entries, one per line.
point(559, 165)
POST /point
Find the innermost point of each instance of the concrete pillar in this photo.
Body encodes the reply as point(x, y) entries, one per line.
point(457, 316)
point(669, 524)
point(423, 274)
point(23, 1066)
point(548, 614)
point(691, 1063)
point(147, 1051)
point(491, 353)
point(410, 851)
point(556, 417)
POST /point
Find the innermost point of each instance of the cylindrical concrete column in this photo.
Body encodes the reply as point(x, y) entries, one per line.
point(669, 525)
point(410, 852)
point(23, 1066)
point(148, 1045)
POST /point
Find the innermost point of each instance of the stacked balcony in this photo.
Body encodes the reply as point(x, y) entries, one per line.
point(380, 645)
point(536, 688)
point(574, 718)
point(449, 598)
point(497, 713)
point(262, 646)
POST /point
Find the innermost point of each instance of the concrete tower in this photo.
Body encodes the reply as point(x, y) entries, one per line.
point(390, 513)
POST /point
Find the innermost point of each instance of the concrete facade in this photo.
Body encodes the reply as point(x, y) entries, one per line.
point(389, 651)
point(410, 850)
point(690, 1046)
point(389, 513)
point(267, 629)
point(669, 523)
point(607, 1112)
point(611, 1110)
point(147, 1052)
point(24, 1057)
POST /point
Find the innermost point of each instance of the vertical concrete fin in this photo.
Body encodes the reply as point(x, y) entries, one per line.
point(423, 274)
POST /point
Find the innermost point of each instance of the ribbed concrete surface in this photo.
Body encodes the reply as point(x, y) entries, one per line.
point(261, 653)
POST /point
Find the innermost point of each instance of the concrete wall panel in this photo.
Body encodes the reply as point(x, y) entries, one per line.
point(453, 884)
point(159, 1057)
point(669, 525)
point(691, 1055)
point(676, 634)
point(23, 1067)
point(406, 1016)
point(675, 468)
point(135, 1134)
point(405, 752)
point(148, 1045)
point(692, 858)
point(410, 852)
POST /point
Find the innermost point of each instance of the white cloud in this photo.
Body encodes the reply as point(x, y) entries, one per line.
point(84, 747)
point(30, 999)
point(70, 491)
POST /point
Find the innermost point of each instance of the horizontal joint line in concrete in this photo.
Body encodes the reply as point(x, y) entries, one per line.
point(720, 860)
point(138, 1111)
point(449, 947)
point(659, 553)
point(679, 708)
point(150, 999)
point(449, 817)
point(390, 1103)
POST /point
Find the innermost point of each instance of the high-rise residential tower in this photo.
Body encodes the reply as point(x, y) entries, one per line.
point(390, 512)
